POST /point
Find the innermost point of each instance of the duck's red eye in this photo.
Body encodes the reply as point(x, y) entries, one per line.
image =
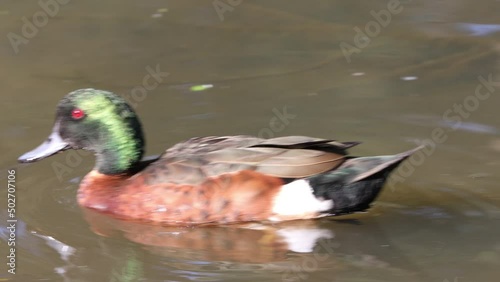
point(77, 113)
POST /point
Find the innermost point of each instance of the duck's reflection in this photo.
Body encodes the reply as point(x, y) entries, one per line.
point(253, 242)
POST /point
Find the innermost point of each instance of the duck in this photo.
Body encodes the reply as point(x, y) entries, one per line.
point(209, 180)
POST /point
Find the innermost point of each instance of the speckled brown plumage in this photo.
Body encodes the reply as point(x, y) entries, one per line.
point(228, 198)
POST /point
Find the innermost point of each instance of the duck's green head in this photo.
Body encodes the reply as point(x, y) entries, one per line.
point(99, 121)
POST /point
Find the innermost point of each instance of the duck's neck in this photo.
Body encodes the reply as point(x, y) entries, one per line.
point(121, 150)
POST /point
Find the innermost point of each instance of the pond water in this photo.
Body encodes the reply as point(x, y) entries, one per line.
point(391, 74)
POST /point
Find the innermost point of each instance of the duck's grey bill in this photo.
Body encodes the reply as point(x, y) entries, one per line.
point(51, 146)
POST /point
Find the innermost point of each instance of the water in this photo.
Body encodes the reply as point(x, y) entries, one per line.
point(256, 60)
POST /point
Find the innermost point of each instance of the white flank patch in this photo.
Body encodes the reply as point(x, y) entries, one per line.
point(296, 198)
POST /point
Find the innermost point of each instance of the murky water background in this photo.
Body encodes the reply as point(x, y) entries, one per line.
point(442, 223)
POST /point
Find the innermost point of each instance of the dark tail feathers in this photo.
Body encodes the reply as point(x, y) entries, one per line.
point(357, 182)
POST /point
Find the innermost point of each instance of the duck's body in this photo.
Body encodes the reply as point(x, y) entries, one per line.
point(209, 180)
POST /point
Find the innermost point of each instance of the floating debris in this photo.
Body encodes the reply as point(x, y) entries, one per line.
point(409, 78)
point(201, 87)
point(479, 29)
point(159, 13)
point(469, 126)
point(75, 180)
point(358, 74)
point(433, 120)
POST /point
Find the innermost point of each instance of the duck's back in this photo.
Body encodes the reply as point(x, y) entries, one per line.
point(292, 157)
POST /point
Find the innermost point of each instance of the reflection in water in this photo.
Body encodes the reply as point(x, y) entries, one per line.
point(289, 250)
point(253, 243)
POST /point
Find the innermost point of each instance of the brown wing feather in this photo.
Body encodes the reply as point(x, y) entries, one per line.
point(298, 163)
point(193, 161)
